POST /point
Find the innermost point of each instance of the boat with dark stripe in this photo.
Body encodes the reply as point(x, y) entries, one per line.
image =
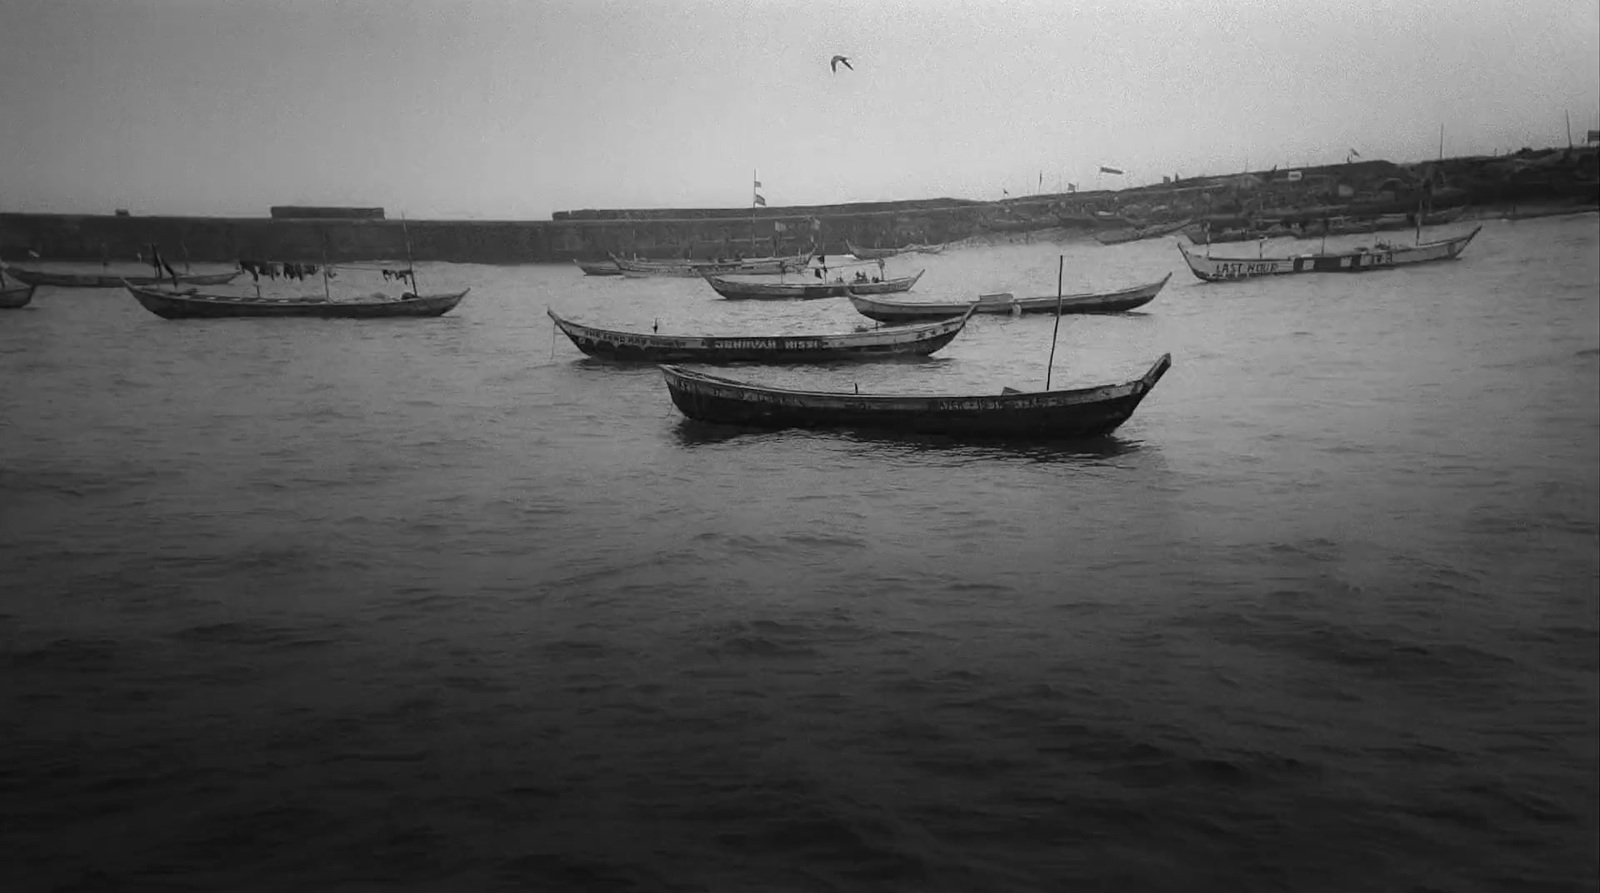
point(1092, 302)
point(193, 304)
point(1358, 260)
point(868, 344)
point(1077, 413)
point(98, 280)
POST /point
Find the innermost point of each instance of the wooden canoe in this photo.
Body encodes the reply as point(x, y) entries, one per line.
point(871, 344)
point(192, 304)
point(1136, 233)
point(1077, 413)
point(598, 267)
point(15, 296)
point(1358, 260)
point(739, 290)
point(878, 253)
point(692, 268)
point(1118, 301)
point(100, 280)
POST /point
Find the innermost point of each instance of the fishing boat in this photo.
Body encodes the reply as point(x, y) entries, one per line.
point(692, 268)
point(191, 303)
point(14, 296)
point(1353, 226)
point(1135, 233)
point(879, 253)
point(101, 280)
point(1091, 302)
point(598, 267)
point(739, 290)
point(1047, 414)
point(1358, 260)
point(868, 344)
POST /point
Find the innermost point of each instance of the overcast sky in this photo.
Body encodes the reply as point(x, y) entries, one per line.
point(491, 109)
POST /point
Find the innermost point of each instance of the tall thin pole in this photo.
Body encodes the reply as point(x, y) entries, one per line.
point(411, 265)
point(325, 291)
point(1061, 266)
point(1569, 130)
point(753, 194)
point(1441, 141)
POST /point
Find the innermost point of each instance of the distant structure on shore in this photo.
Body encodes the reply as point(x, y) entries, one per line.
point(1568, 176)
point(307, 212)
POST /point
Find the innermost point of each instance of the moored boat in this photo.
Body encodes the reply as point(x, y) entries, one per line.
point(15, 296)
point(740, 290)
point(1358, 260)
point(194, 304)
point(1118, 301)
point(1136, 233)
point(692, 268)
point(1360, 226)
point(100, 280)
point(1077, 413)
point(870, 344)
point(879, 253)
point(598, 267)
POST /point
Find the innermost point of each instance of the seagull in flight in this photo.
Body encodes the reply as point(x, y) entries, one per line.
point(834, 63)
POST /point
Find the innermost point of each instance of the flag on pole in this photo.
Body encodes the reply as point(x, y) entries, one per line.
point(1593, 137)
point(760, 201)
point(758, 184)
point(1109, 170)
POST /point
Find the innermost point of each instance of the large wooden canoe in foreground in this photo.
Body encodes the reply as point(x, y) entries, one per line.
point(871, 344)
point(1359, 260)
point(1090, 302)
point(1082, 412)
point(99, 280)
point(191, 304)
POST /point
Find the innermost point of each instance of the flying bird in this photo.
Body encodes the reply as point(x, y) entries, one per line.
point(834, 63)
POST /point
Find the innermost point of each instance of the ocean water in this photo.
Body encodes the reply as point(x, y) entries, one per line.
point(442, 605)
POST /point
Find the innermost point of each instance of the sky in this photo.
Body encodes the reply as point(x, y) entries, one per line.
point(492, 109)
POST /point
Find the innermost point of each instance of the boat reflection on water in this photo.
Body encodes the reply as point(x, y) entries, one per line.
point(690, 433)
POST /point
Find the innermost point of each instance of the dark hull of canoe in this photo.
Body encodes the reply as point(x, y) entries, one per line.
point(630, 347)
point(15, 296)
point(1221, 269)
point(1107, 302)
point(96, 280)
point(168, 305)
point(1082, 413)
point(598, 267)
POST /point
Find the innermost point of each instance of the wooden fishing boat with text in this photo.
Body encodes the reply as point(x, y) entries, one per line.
point(1118, 301)
point(1358, 260)
point(1076, 413)
point(739, 290)
point(870, 344)
point(692, 268)
point(100, 280)
point(193, 304)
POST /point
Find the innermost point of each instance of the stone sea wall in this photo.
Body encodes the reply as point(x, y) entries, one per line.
point(1560, 175)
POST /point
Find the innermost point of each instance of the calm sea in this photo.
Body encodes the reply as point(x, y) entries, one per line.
point(442, 605)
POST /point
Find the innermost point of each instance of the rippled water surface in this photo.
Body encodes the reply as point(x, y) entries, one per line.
point(441, 605)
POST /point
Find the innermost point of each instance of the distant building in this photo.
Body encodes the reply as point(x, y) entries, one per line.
point(302, 212)
point(122, 212)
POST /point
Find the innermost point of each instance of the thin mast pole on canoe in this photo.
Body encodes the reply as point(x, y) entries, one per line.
point(1061, 266)
point(185, 246)
point(411, 265)
point(753, 194)
point(326, 294)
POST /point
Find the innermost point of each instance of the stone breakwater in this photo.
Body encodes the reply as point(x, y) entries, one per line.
point(1370, 187)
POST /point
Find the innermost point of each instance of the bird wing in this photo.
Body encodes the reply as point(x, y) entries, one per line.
point(847, 63)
